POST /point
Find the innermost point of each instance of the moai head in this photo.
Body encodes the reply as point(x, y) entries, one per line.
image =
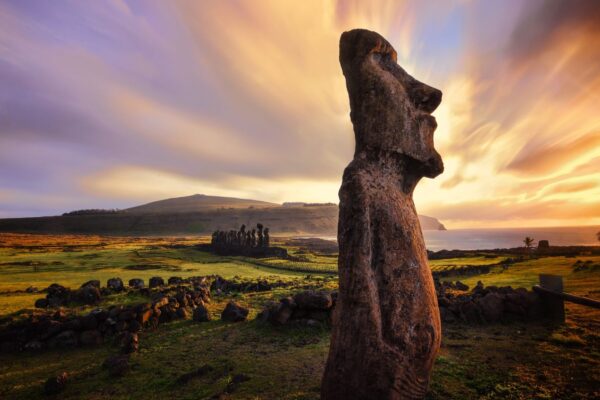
point(259, 227)
point(390, 110)
point(243, 228)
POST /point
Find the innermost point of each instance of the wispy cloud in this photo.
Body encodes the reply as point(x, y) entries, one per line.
point(107, 104)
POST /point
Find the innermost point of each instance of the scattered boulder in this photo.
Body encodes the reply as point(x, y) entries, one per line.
point(117, 366)
point(156, 281)
point(65, 339)
point(56, 384)
point(91, 337)
point(313, 300)
point(492, 307)
point(129, 343)
point(233, 312)
point(115, 284)
point(89, 294)
point(461, 286)
point(201, 313)
point(41, 303)
point(183, 312)
point(95, 283)
point(175, 280)
point(282, 312)
point(136, 283)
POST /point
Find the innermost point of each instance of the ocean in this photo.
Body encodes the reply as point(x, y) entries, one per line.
point(480, 239)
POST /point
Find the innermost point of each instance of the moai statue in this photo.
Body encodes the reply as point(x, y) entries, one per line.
point(266, 238)
point(260, 235)
point(248, 239)
point(214, 238)
point(253, 238)
point(386, 325)
point(243, 235)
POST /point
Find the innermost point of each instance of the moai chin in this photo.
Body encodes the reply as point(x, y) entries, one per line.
point(386, 325)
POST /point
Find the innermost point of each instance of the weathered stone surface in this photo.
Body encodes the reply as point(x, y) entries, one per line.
point(115, 284)
point(386, 329)
point(88, 294)
point(55, 384)
point(66, 339)
point(492, 307)
point(156, 281)
point(95, 283)
point(201, 314)
point(233, 312)
point(183, 312)
point(117, 366)
point(313, 300)
point(129, 343)
point(91, 337)
point(175, 280)
point(136, 283)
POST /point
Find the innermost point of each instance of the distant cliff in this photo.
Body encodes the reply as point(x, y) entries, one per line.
point(198, 214)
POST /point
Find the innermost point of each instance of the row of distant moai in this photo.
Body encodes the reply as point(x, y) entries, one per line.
point(258, 237)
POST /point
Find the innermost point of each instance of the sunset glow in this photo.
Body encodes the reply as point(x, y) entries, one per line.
point(115, 103)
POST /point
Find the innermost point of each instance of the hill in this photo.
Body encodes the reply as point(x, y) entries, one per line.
point(197, 214)
point(196, 203)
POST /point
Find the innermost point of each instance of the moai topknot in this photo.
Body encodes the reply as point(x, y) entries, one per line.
point(386, 325)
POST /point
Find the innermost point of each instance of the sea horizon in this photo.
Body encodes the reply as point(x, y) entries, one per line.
point(500, 238)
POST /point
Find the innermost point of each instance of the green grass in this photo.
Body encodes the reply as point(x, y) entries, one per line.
point(511, 361)
point(526, 274)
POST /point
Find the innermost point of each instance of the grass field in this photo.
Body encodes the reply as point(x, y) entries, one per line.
point(501, 361)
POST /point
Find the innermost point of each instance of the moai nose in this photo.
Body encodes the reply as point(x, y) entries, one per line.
point(425, 97)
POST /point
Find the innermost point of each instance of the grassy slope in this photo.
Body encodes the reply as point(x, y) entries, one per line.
point(526, 274)
point(517, 361)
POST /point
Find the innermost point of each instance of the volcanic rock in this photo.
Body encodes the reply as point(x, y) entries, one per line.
point(233, 312)
point(386, 329)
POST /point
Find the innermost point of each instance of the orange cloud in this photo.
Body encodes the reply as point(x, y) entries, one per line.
point(546, 159)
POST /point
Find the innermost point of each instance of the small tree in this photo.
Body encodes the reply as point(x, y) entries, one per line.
point(528, 242)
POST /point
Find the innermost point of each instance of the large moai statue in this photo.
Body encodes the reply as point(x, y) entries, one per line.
point(386, 326)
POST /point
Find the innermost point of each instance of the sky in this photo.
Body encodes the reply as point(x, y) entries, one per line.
point(114, 103)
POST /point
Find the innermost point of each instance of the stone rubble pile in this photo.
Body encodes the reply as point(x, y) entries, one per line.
point(489, 304)
point(305, 308)
point(60, 330)
point(482, 305)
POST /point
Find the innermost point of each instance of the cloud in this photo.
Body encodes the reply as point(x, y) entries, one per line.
point(546, 159)
point(139, 184)
point(573, 187)
point(111, 104)
point(550, 21)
